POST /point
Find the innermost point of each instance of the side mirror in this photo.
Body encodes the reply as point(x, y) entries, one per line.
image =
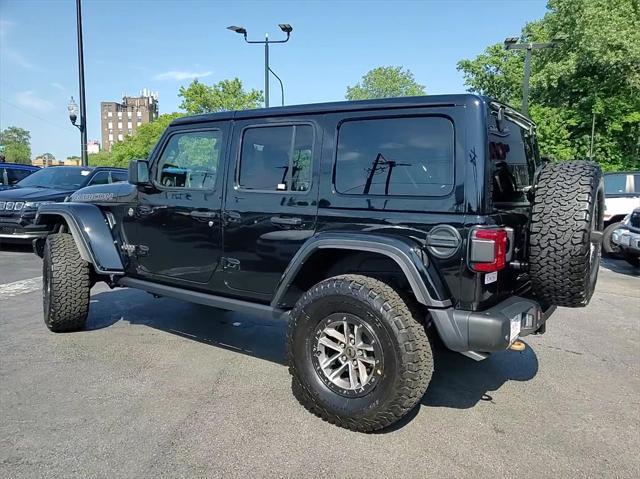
point(139, 173)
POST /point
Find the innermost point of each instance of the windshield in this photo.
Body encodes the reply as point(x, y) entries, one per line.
point(57, 177)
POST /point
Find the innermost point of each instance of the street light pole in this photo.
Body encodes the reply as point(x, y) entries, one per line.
point(286, 28)
point(83, 106)
point(511, 43)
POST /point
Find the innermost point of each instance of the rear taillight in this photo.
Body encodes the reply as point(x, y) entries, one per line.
point(488, 249)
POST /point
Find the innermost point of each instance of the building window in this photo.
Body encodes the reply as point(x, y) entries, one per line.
point(119, 114)
point(139, 114)
point(110, 124)
point(139, 123)
point(109, 114)
point(129, 114)
point(395, 156)
point(110, 131)
point(129, 125)
point(111, 137)
point(276, 158)
point(120, 137)
point(119, 125)
point(129, 131)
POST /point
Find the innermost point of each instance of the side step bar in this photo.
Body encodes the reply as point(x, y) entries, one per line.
point(221, 302)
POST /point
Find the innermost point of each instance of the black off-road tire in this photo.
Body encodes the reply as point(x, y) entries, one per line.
point(565, 232)
point(608, 246)
point(65, 285)
point(408, 355)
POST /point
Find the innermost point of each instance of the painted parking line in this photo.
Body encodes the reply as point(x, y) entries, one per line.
point(16, 288)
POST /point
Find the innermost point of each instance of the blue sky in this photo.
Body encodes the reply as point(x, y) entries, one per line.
point(160, 45)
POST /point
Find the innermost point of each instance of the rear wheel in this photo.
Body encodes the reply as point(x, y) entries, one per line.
point(358, 355)
point(65, 284)
point(565, 233)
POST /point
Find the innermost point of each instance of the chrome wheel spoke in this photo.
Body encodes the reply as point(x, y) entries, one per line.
point(362, 373)
point(335, 334)
point(367, 360)
point(330, 344)
point(353, 382)
point(336, 374)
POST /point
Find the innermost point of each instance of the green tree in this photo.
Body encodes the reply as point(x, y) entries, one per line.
point(225, 95)
point(17, 145)
point(102, 158)
point(138, 145)
point(594, 71)
point(385, 82)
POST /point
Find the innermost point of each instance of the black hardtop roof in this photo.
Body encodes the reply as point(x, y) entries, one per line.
point(338, 106)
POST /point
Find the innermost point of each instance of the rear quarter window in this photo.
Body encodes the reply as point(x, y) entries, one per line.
point(513, 155)
point(395, 157)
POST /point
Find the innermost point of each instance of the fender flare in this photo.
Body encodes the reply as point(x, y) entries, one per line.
point(425, 283)
point(90, 231)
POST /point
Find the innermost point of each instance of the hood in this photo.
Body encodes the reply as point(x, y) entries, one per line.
point(34, 194)
point(121, 192)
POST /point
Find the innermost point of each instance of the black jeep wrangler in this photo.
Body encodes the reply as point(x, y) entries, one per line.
point(374, 227)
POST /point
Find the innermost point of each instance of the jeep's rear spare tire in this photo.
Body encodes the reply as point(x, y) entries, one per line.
point(358, 354)
point(65, 284)
point(565, 232)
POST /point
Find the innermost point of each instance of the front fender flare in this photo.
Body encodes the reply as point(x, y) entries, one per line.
point(90, 231)
point(425, 284)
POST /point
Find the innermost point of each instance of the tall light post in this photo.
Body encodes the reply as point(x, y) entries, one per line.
point(286, 28)
point(73, 107)
point(511, 43)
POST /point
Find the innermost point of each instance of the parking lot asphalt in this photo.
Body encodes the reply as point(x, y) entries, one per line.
point(162, 388)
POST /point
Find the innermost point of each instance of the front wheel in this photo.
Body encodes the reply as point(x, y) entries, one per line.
point(358, 355)
point(65, 285)
point(608, 246)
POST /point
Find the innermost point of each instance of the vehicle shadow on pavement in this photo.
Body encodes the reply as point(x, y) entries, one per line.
point(620, 266)
point(457, 382)
point(460, 383)
point(245, 334)
point(16, 247)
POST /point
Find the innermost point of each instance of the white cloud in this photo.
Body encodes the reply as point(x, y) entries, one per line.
point(14, 56)
point(58, 86)
point(29, 100)
point(181, 75)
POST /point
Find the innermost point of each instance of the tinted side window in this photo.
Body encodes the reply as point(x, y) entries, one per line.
point(395, 156)
point(100, 178)
point(118, 176)
point(4, 180)
point(636, 183)
point(513, 155)
point(276, 158)
point(190, 160)
point(16, 175)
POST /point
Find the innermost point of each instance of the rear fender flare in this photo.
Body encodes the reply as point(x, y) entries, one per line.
point(88, 226)
point(412, 260)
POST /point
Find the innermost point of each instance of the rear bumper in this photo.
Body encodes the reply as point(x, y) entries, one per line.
point(494, 329)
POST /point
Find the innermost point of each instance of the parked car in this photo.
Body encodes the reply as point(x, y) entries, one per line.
point(373, 227)
point(18, 205)
point(12, 173)
point(622, 196)
point(627, 238)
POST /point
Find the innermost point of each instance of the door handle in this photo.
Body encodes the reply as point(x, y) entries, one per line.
point(203, 214)
point(286, 221)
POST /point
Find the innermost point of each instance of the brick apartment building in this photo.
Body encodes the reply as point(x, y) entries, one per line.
point(121, 119)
